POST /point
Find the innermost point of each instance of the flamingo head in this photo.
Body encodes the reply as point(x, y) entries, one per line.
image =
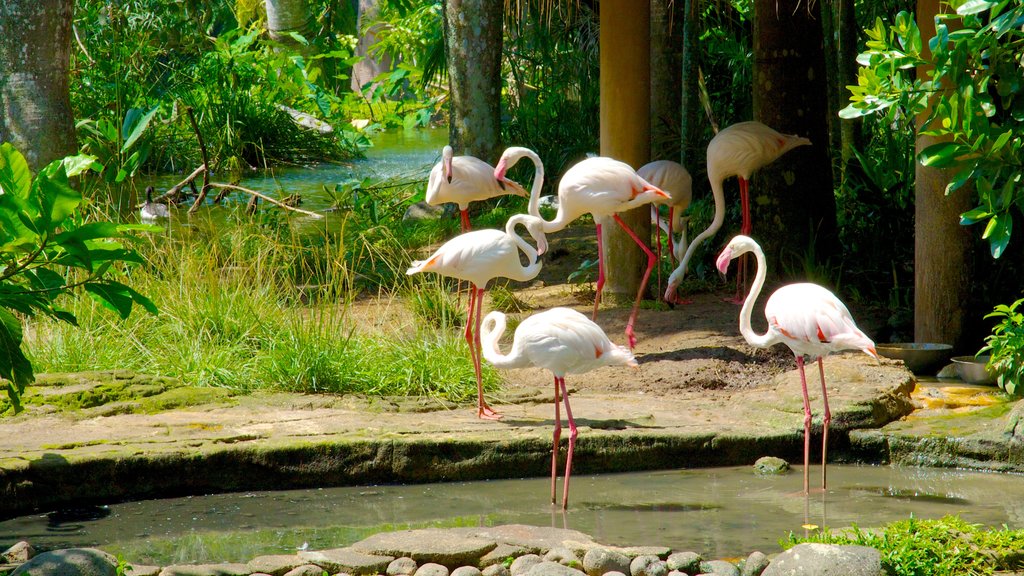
point(672, 291)
point(446, 161)
point(738, 245)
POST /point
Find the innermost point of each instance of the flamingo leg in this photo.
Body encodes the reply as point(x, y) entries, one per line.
point(671, 234)
point(824, 424)
point(807, 423)
point(554, 448)
point(600, 272)
point(572, 444)
point(484, 411)
point(643, 281)
point(465, 221)
point(469, 320)
point(657, 234)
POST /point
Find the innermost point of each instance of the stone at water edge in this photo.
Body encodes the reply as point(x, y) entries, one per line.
point(346, 560)
point(224, 569)
point(274, 564)
point(826, 560)
point(467, 571)
point(431, 569)
point(19, 553)
point(553, 569)
point(688, 562)
point(597, 561)
point(446, 547)
point(69, 562)
point(648, 566)
point(306, 570)
point(754, 564)
point(496, 570)
point(563, 556)
point(719, 568)
point(403, 566)
point(523, 564)
point(770, 465)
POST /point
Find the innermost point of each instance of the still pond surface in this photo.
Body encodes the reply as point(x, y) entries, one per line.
point(721, 512)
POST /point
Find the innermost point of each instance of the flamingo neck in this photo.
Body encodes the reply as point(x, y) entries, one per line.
point(716, 223)
point(538, 182)
point(491, 330)
point(753, 338)
point(530, 270)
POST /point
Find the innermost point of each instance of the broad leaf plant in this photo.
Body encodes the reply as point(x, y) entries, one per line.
point(48, 249)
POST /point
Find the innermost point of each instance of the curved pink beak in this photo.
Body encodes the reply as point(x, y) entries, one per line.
point(448, 169)
point(722, 263)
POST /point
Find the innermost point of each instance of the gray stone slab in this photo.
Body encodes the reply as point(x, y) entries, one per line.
point(275, 564)
point(347, 560)
point(69, 562)
point(535, 539)
point(826, 560)
point(225, 569)
point(445, 547)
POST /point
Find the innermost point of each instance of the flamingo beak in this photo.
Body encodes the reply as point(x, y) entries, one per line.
point(499, 172)
point(448, 170)
point(723, 260)
point(542, 245)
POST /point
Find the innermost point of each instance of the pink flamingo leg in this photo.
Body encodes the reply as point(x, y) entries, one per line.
point(671, 240)
point(600, 272)
point(824, 427)
point(643, 281)
point(469, 320)
point(554, 448)
point(465, 221)
point(572, 444)
point(657, 236)
point(807, 423)
point(484, 411)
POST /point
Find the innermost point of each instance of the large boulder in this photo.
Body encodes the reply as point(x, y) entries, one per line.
point(826, 560)
point(69, 562)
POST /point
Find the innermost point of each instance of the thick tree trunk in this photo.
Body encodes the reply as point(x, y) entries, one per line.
point(626, 129)
point(942, 265)
point(666, 78)
point(792, 201)
point(35, 52)
point(370, 66)
point(847, 49)
point(693, 153)
point(286, 16)
point(473, 38)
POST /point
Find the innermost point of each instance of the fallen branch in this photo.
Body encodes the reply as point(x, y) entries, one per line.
point(172, 192)
point(256, 194)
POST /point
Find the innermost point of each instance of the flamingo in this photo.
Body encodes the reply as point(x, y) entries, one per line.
point(465, 179)
point(565, 342)
point(601, 187)
point(738, 150)
point(808, 319)
point(673, 178)
point(478, 256)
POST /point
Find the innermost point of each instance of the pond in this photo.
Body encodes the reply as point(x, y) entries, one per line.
point(720, 512)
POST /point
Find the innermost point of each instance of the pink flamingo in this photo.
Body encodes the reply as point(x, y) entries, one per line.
point(477, 257)
point(565, 342)
point(601, 187)
point(673, 178)
point(807, 318)
point(465, 179)
point(738, 150)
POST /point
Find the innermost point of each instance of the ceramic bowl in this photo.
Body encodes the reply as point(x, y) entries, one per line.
point(920, 357)
point(972, 370)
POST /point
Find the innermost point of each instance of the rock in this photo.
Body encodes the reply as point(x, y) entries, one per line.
point(446, 547)
point(648, 566)
point(535, 539)
point(403, 566)
point(597, 561)
point(145, 570)
point(421, 211)
point(523, 564)
point(720, 567)
point(688, 562)
point(274, 564)
point(755, 564)
point(305, 570)
point(431, 569)
point(677, 573)
point(224, 569)
point(496, 570)
point(553, 569)
point(770, 465)
point(501, 553)
point(563, 556)
point(19, 553)
point(347, 560)
point(69, 562)
point(826, 560)
point(467, 571)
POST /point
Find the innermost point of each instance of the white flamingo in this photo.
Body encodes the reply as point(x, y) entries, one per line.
point(673, 178)
point(465, 179)
point(807, 318)
point(565, 342)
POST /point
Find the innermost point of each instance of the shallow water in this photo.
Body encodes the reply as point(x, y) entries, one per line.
point(721, 512)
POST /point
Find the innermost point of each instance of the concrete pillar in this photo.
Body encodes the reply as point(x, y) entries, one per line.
point(626, 128)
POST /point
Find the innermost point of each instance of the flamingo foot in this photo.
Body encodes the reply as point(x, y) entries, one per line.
point(630, 336)
point(737, 300)
point(485, 412)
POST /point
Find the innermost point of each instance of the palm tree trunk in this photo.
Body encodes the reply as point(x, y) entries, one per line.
point(35, 52)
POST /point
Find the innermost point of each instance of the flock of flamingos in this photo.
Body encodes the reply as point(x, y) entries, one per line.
point(806, 317)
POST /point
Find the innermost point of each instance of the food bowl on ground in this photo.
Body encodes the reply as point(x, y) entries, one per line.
point(972, 369)
point(920, 357)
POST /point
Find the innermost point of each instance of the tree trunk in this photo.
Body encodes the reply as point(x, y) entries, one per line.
point(666, 78)
point(846, 38)
point(473, 30)
point(942, 265)
point(626, 129)
point(35, 52)
point(370, 66)
point(792, 199)
point(693, 153)
point(285, 16)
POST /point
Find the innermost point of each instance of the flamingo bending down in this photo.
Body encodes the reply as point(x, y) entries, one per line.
point(807, 318)
point(601, 187)
point(738, 150)
point(673, 178)
point(565, 342)
point(477, 257)
point(465, 179)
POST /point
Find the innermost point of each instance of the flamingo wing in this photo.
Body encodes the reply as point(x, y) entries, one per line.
point(475, 256)
point(813, 321)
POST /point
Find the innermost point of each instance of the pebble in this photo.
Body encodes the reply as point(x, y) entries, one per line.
point(403, 566)
point(431, 569)
point(598, 561)
point(523, 564)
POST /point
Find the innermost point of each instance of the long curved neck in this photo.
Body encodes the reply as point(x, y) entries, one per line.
point(490, 332)
point(533, 267)
point(754, 339)
point(538, 182)
point(716, 223)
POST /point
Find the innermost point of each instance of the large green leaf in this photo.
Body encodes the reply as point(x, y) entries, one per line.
point(941, 155)
point(135, 123)
point(57, 199)
point(974, 7)
point(14, 367)
point(90, 231)
point(15, 178)
point(112, 295)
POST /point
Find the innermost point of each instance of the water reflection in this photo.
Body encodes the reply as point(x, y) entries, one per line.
point(717, 512)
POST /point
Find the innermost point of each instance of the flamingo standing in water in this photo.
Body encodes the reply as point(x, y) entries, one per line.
point(807, 318)
point(565, 342)
point(465, 179)
point(738, 150)
point(673, 178)
point(478, 257)
point(601, 187)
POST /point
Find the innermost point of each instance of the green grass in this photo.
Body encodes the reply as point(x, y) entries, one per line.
point(232, 315)
point(940, 547)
